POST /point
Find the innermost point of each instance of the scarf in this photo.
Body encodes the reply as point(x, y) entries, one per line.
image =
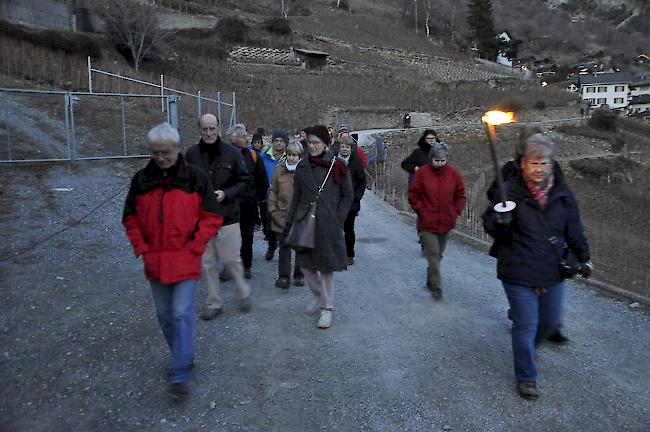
point(339, 170)
point(540, 193)
point(345, 159)
point(291, 168)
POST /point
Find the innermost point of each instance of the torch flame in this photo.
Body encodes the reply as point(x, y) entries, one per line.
point(498, 117)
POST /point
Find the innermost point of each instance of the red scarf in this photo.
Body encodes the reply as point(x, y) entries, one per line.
point(339, 170)
point(540, 193)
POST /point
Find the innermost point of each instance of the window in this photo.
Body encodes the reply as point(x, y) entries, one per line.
point(591, 89)
point(600, 101)
point(619, 88)
point(591, 101)
point(602, 89)
point(618, 100)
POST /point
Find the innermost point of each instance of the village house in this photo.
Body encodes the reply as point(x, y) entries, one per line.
point(609, 89)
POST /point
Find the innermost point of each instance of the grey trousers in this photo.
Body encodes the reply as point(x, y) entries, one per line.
point(433, 247)
point(225, 246)
point(321, 286)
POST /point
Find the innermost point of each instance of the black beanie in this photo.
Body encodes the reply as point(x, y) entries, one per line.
point(321, 132)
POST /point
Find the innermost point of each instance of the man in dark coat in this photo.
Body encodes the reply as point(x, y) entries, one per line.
point(420, 155)
point(225, 167)
point(248, 205)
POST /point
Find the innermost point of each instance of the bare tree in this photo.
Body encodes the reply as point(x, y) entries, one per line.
point(135, 25)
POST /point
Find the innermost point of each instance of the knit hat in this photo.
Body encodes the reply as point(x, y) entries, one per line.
point(280, 133)
point(321, 132)
point(438, 150)
point(344, 129)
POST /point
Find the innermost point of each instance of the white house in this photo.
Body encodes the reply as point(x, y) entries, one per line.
point(639, 104)
point(609, 89)
point(502, 58)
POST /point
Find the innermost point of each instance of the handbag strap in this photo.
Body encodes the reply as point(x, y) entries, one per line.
point(320, 189)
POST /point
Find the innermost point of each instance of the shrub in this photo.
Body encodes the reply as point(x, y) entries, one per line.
point(233, 30)
point(278, 26)
point(540, 105)
point(603, 119)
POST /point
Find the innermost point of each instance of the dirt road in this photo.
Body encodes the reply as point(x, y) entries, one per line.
point(81, 348)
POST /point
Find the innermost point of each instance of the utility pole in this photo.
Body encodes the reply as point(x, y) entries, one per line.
point(416, 16)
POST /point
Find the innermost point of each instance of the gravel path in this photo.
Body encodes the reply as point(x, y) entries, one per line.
point(81, 348)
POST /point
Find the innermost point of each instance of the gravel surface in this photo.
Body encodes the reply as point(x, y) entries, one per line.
point(81, 347)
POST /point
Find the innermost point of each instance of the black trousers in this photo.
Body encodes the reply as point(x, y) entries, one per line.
point(247, 220)
point(284, 260)
point(348, 230)
point(269, 235)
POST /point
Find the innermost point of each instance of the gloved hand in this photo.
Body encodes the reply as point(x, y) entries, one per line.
point(504, 218)
point(586, 268)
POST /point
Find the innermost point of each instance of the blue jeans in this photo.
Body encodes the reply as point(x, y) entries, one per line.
point(175, 304)
point(534, 317)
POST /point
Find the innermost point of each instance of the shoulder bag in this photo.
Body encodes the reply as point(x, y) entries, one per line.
point(302, 234)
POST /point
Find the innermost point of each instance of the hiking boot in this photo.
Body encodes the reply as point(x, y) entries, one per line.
point(248, 274)
point(209, 314)
point(313, 306)
point(299, 280)
point(282, 282)
point(269, 254)
point(436, 293)
point(350, 261)
point(528, 390)
point(325, 320)
point(245, 304)
point(224, 276)
point(558, 338)
point(178, 391)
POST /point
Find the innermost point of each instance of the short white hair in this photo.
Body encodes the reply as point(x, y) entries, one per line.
point(164, 132)
point(234, 128)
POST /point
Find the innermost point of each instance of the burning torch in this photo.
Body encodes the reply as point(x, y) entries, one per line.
point(492, 118)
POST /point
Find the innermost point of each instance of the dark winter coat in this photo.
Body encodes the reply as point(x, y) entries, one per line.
point(330, 254)
point(224, 165)
point(357, 176)
point(437, 196)
point(524, 254)
point(169, 219)
point(419, 157)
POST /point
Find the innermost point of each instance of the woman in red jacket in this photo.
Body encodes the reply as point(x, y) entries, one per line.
point(437, 194)
point(169, 215)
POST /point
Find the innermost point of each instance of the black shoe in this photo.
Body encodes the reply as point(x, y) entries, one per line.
point(436, 293)
point(179, 391)
point(282, 282)
point(528, 390)
point(350, 261)
point(299, 280)
point(210, 313)
point(558, 338)
point(509, 313)
point(224, 276)
point(269, 254)
point(248, 274)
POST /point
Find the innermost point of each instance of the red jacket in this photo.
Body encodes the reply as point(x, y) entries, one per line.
point(438, 197)
point(169, 219)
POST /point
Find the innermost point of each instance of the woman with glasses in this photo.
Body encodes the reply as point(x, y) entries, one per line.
point(420, 155)
point(530, 240)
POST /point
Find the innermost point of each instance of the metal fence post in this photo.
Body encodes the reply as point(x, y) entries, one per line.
point(172, 111)
point(219, 107)
point(66, 103)
point(162, 92)
point(233, 114)
point(90, 77)
point(123, 125)
point(6, 98)
point(198, 93)
point(73, 146)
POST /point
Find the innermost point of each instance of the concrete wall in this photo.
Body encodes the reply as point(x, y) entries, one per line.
point(47, 14)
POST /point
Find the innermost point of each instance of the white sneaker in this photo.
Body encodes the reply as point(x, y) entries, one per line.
point(325, 320)
point(313, 306)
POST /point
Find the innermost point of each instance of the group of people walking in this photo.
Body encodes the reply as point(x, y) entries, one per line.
point(189, 213)
point(194, 210)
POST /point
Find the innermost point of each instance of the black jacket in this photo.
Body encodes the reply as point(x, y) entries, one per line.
point(260, 184)
point(524, 254)
point(357, 176)
point(418, 158)
point(225, 167)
